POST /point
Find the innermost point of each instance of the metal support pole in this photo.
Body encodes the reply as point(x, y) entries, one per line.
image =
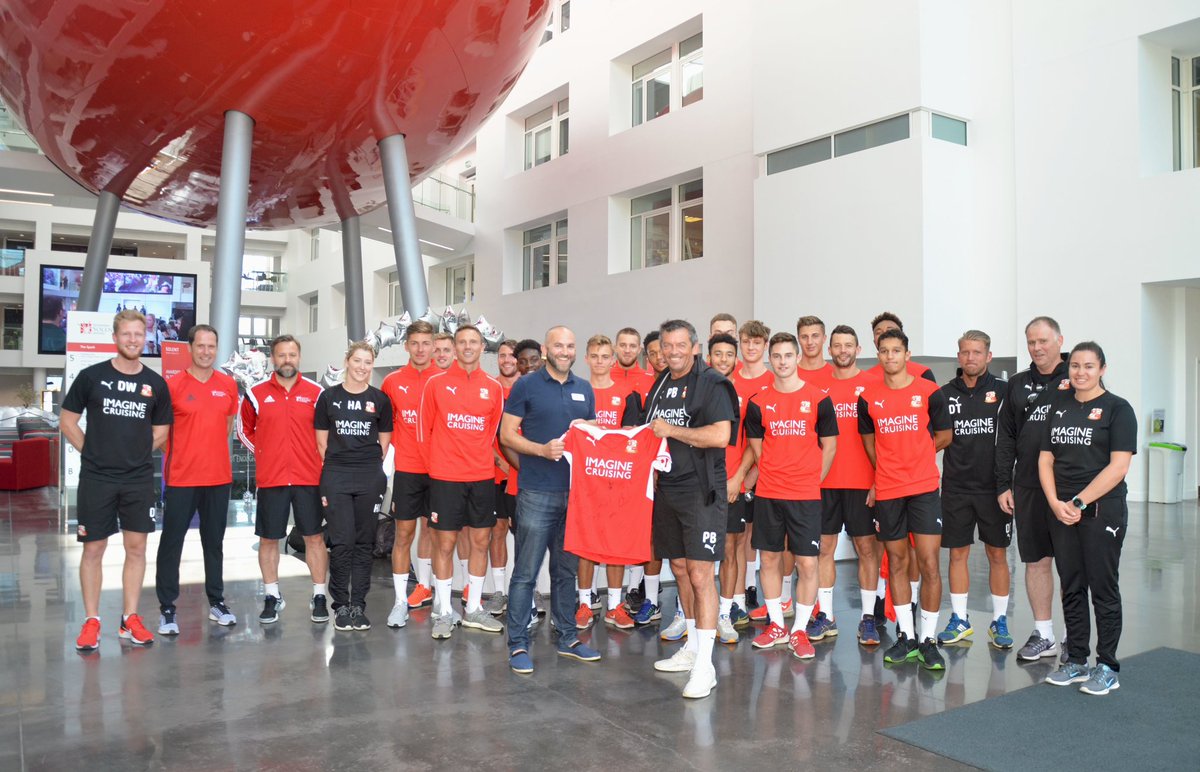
point(226, 300)
point(356, 317)
point(409, 264)
point(99, 246)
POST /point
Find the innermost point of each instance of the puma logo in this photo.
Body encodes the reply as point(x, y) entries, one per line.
point(1112, 530)
point(453, 390)
point(106, 384)
point(338, 405)
point(879, 403)
point(939, 521)
point(769, 407)
point(816, 544)
point(402, 388)
point(590, 438)
point(1060, 413)
point(956, 400)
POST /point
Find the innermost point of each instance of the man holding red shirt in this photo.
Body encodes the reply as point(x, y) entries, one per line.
point(276, 423)
point(904, 423)
point(410, 483)
point(793, 432)
point(197, 473)
point(460, 412)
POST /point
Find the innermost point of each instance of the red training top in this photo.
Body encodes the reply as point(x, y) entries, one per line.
point(459, 415)
point(851, 468)
point(403, 387)
point(790, 425)
point(200, 431)
point(903, 422)
point(277, 426)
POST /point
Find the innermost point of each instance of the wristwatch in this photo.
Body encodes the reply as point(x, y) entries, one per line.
point(1078, 504)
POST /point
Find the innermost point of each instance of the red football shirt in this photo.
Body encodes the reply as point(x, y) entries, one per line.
point(201, 430)
point(903, 422)
point(915, 369)
point(457, 423)
point(612, 405)
point(403, 387)
point(819, 377)
point(790, 425)
point(612, 492)
point(851, 468)
point(745, 388)
point(635, 378)
point(277, 425)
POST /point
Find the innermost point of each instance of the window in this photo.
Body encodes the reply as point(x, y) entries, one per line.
point(862, 138)
point(871, 135)
point(460, 280)
point(547, 133)
point(1185, 112)
point(800, 155)
point(395, 306)
point(565, 14)
point(544, 255)
point(311, 301)
point(652, 93)
point(14, 329)
point(948, 129)
point(314, 245)
point(667, 225)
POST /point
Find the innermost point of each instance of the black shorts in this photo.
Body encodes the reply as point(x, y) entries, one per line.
point(274, 504)
point(962, 512)
point(1032, 513)
point(506, 505)
point(410, 495)
point(846, 507)
point(457, 505)
point(105, 507)
point(897, 518)
point(735, 519)
point(794, 524)
point(685, 525)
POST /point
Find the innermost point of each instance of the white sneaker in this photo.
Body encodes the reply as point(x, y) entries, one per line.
point(676, 630)
point(725, 631)
point(680, 662)
point(701, 683)
point(399, 615)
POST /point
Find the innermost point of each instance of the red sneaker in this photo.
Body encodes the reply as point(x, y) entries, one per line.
point(420, 596)
point(760, 614)
point(772, 636)
point(89, 635)
point(133, 629)
point(583, 617)
point(619, 618)
point(800, 645)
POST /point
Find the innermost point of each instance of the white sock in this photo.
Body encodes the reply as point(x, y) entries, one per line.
point(271, 588)
point(614, 598)
point(596, 579)
point(636, 574)
point(704, 645)
point(915, 588)
point(929, 624)
point(319, 589)
point(726, 606)
point(585, 597)
point(802, 615)
point(775, 611)
point(999, 606)
point(787, 589)
point(1045, 628)
point(400, 583)
point(652, 589)
point(740, 600)
point(425, 571)
point(752, 573)
point(868, 601)
point(691, 644)
point(881, 588)
point(825, 599)
point(498, 580)
point(475, 598)
point(442, 595)
point(904, 620)
point(463, 564)
point(958, 604)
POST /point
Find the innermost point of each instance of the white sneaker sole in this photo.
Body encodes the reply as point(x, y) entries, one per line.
point(674, 666)
point(1112, 688)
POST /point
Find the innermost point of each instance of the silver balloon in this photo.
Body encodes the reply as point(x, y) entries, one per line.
point(492, 336)
point(431, 317)
point(464, 317)
point(402, 327)
point(383, 336)
point(333, 376)
point(449, 320)
point(246, 370)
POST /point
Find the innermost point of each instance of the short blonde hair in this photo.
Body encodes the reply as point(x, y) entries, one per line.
point(128, 315)
point(360, 345)
point(596, 341)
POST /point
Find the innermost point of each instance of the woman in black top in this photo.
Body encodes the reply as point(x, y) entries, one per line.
point(353, 422)
point(1090, 439)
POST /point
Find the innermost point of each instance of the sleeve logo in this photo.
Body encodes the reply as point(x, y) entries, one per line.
point(990, 397)
point(631, 446)
point(1095, 414)
point(1064, 384)
point(616, 400)
point(369, 407)
point(916, 400)
point(147, 390)
point(805, 407)
point(483, 393)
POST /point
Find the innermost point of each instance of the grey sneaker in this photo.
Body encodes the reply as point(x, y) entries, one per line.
point(443, 626)
point(1067, 674)
point(1101, 680)
point(725, 631)
point(676, 630)
point(221, 614)
point(342, 620)
point(1037, 647)
point(167, 624)
point(1063, 646)
point(399, 616)
point(482, 620)
point(497, 604)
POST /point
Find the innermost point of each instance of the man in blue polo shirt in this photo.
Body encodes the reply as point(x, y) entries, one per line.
point(540, 409)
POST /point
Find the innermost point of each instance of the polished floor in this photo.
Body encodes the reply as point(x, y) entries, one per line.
point(299, 696)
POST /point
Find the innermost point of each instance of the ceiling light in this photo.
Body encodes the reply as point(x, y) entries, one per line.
point(435, 244)
point(27, 203)
point(26, 192)
point(385, 230)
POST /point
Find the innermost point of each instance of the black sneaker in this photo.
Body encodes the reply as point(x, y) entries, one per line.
point(342, 619)
point(271, 608)
point(880, 616)
point(320, 612)
point(752, 598)
point(633, 600)
point(902, 650)
point(358, 619)
point(930, 657)
point(595, 604)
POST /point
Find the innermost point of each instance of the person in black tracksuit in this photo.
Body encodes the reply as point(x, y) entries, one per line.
point(974, 400)
point(1018, 442)
point(353, 422)
point(1087, 445)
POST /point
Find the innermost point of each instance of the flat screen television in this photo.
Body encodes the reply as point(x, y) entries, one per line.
point(168, 300)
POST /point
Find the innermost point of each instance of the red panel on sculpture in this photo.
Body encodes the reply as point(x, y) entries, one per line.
point(129, 96)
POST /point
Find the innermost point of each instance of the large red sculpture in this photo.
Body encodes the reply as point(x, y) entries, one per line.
point(129, 96)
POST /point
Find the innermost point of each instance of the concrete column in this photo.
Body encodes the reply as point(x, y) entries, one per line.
point(231, 231)
point(398, 184)
point(356, 318)
point(99, 247)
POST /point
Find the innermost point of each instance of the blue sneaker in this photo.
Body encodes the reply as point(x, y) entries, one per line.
point(821, 627)
point(1069, 673)
point(520, 662)
point(868, 635)
point(956, 630)
point(647, 613)
point(1102, 680)
point(738, 617)
point(579, 650)
point(998, 630)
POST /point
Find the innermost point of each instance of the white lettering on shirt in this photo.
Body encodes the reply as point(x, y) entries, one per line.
point(610, 468)
point(1071, 435)
point(788, 428)
point(897, 424)
point(123, 408)
point(964, 427)
point(471, 423)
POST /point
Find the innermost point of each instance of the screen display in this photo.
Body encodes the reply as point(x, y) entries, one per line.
point(167, 300)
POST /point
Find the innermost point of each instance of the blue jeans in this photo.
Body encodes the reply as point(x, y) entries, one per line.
point(541, 523)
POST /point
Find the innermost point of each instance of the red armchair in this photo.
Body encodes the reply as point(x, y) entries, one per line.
point(28, 467)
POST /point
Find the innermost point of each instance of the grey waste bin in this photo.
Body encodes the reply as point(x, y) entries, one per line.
point(1166, 472)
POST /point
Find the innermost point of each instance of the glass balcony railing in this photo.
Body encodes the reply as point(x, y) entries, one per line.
point(12, 137)
point(264, 281)
point(12, 262)
point(438, 194)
